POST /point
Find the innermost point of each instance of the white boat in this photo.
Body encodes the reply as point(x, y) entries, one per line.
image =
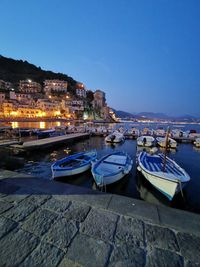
point(145, 140)
point(177, 133)
point(197, 142)
point(115, 137)
point(146, 131)
point(134, 132)
point(171, 143)
point(160, 132)
point(111, 168)
point(73, 164)
point(163, 173)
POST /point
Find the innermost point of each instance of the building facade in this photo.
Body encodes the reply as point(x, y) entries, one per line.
point(28, 86)
point(80, 90)
point(49, 109)
point(99, 99)
point(55, 86)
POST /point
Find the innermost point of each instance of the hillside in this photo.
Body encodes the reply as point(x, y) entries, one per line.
point(12, 70)
point(155, 116)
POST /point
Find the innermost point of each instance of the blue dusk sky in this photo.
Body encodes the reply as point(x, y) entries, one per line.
point(145, 54)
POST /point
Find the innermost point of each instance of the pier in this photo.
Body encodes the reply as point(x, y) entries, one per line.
point(48, 142)
point(47, 223)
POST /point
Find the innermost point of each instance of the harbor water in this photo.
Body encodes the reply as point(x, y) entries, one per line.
point(38, 163)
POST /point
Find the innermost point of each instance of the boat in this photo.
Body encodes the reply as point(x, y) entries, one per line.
point(146, 131)
point(160, 132)
point(111, 168)
point(145, 140)
point(45, 133)
point(163, 173)
point(133, 132)
point(73, 164)
point(171, 143)
point(197, 142)
point(177, 133)
point(115, 137)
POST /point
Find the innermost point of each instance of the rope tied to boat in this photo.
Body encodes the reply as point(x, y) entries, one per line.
point(53, 176)
point(181, 189)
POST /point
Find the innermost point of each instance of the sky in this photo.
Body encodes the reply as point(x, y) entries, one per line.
point(144, 54)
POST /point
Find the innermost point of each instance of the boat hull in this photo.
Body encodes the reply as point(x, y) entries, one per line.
point(73, 165)
point(169, 178)
point(63, 173)
point(106, 173)
point(108, 180)
point(166, 187)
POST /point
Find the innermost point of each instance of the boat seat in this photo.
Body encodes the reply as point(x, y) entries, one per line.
point(116, 160)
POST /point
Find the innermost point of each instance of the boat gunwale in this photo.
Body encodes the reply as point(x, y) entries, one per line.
point(96, 164)
point(56, 166)
point(154, 173)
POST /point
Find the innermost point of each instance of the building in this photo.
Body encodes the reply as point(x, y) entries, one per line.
point(25, 111)
point(28, 86)
point(9, 108)
point(55, 86)
point(19, 96)
point(2, 97)
point(49, 109)
point(80, 90)
point(5, 85)
point(99, 99)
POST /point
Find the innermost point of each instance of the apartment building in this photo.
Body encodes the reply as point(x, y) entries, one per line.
point(55, 86)
point(28, 86)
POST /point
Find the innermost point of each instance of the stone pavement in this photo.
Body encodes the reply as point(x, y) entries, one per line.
point(46, 223)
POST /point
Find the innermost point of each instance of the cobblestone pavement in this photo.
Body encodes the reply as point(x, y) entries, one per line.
point(45, 223)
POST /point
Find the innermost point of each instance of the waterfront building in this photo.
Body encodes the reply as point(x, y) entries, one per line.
point(49, 109)
point(9, 108)
point(28, 86)
point(80, 90)
point(19, 96)
point(25, 111)
point(55, 86)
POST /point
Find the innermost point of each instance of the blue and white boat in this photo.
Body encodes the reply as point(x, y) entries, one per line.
point(111, 168)
point(74, 164)
point(163, 173)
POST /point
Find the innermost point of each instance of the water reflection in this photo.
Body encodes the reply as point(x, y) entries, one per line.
point(188, 156)
point(197, 149)
point(15, 124)
point(42, 125)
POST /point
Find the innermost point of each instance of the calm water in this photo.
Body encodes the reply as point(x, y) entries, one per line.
point(133, 185)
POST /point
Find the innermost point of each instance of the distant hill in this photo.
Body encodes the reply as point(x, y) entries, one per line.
point(155, 116)
point(123, 114)
point(12, 70)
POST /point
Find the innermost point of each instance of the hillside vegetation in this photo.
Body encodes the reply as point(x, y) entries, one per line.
point(12, 70)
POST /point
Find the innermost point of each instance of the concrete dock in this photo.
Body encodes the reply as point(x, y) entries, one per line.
point(47, 223)
point(51, 141)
